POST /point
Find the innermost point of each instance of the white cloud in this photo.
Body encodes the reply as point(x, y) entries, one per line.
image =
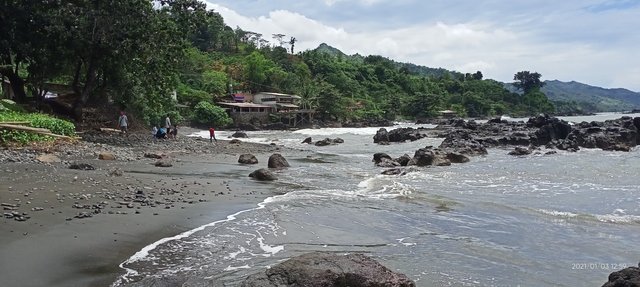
point(499, 51)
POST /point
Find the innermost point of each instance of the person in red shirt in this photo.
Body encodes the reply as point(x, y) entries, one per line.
point(212, 135)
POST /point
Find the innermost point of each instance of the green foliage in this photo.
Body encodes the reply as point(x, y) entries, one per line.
point(138, 52)
point(56, 126)
point(527, 81)
point(208, 114)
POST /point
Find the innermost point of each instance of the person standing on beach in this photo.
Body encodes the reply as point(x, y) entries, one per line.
point(212, 135)
point(123, 122)
point(167, 124)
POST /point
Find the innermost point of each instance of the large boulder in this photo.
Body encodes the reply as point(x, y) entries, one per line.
point(247, 159)
point(276, 160)
point(263, 174)
point(307, 140)
point(430, 156)
point(328, 269)
point(628, 277)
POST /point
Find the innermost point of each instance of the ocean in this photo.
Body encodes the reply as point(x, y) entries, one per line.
point(567, 219)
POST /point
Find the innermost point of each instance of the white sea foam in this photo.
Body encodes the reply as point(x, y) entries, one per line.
point(144, 252)
point(234, 268)
point(558, 213)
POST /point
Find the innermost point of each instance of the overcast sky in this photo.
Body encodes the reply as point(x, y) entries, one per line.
point(596, 42)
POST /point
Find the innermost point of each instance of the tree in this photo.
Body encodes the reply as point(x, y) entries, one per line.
point(527, 81)
point(278, 37)
point(292, 42)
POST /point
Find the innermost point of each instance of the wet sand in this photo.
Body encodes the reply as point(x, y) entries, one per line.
point(131, 208)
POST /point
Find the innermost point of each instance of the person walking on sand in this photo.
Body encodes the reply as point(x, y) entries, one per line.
point(123, 122)
point(212, 135)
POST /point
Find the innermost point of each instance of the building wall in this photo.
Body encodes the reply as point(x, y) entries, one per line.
point(247, 118)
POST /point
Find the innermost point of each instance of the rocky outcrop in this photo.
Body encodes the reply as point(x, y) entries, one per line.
point(328, 269)
point(307, 140)
point(263, 174)
point(399, 135)
point(473, 139)
point(276, 160)
point(628, 277)
point(247, 159)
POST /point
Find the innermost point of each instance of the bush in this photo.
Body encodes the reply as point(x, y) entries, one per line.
point(208, 114)
point(56, 126)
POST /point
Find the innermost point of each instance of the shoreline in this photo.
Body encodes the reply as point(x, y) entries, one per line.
point(204, 185)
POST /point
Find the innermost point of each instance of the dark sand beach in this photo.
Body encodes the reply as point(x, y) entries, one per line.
point(79, 225)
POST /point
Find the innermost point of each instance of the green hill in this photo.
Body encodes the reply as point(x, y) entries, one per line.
point(591, 98)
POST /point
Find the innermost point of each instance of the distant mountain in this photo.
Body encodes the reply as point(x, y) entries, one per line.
point(597, 99)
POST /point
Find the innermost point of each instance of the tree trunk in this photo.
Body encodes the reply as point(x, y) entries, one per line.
point(82, 99)
point(17, 85)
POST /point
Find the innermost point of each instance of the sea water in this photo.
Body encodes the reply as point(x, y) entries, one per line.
point(567, 219)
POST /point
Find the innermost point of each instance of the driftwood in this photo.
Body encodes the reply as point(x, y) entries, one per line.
point(41, 131)
point(15, 123)
point(110, 130)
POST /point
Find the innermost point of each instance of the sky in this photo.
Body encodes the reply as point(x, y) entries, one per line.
point(595, 42)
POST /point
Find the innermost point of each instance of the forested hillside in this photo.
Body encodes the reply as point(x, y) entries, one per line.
point(137, 53)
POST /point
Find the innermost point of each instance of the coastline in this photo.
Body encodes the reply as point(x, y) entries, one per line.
point(54, 248)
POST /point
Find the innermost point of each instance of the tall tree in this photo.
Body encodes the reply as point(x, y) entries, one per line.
point(527, 81)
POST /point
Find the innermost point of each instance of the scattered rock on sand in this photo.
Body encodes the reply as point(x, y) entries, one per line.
point(156, 155)
point(329, 269)
point(276, 160)
point(106, 156)
point(82, 166)
point(47, 158)
point(164, 162)
point(247, 159)
point(235, 141)
point(263, 174)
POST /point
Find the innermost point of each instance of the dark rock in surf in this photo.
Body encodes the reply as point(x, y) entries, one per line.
point(276, 160)
point(520, 151)
point(247, 159)
point(263, 174)
point(328, 269)
point(239, 134)
point(307, 140)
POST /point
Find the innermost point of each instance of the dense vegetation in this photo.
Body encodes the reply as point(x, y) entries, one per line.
point(591, 99)
point(136, 53)
point(56, 126)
